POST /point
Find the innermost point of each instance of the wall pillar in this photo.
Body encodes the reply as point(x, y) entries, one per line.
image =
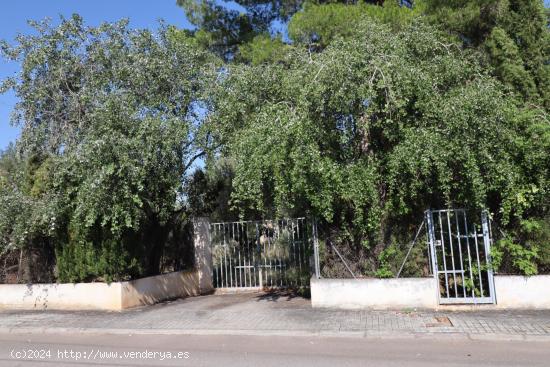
point(203, 253)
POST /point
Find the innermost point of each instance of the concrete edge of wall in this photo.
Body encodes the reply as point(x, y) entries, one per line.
point(512, 292)
point(114, 296)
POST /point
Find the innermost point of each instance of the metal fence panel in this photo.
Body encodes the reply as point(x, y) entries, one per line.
point(259, 254)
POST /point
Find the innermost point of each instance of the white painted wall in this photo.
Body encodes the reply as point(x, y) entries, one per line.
point(512, 292)
point(151, 290)
point(68, 296)
point(374, 293)
point(522, 292)
point(100, 296)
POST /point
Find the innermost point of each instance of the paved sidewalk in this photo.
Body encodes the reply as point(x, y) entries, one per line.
point(281, 314)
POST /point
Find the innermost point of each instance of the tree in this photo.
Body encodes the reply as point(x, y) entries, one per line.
point(25, 218)
point(514, 33)
point(374, 129)
point(112, 121)
point(318, 24)
point(225, 27)
point(263, 48)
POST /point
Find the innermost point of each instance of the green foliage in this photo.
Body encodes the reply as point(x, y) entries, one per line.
point(507, 63)
point(263, 49)
point(319, 25)
point(523, 250)
point(514, 33)
point(84, 261)
point(26, 214)
point(208, 190)
point(366, 119)
point(8, 166)
point(374, 129)
point(111, 121)
point(521, 258)
point(223, 29)
point(470, 20)
point(386, 259)
point(239, 30)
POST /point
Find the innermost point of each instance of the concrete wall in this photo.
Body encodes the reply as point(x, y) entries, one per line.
point(522, 292)
point(151, 290)
point(100, 296)
point(512, 292)
point(374, 293)
point(119, 295)
point(68, 296)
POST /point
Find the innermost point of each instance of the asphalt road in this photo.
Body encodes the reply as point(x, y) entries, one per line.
point(217, 350)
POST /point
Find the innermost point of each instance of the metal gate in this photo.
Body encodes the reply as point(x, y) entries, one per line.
point(460, 256)
point(259, 254)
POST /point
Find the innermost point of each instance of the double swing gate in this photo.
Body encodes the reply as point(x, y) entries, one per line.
point(261, 254)
point(460, 256)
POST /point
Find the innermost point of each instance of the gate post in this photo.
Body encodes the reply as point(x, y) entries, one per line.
point(316, 250)
point(431, 242)
point(487, 242)
point(203, 253)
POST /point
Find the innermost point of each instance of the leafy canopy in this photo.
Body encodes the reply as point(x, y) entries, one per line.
point(112, 119)
point(376, 128)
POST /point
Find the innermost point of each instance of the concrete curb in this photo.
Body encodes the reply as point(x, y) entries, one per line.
point(370, 334)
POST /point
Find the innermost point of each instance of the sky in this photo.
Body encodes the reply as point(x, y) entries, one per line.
point(14, 16)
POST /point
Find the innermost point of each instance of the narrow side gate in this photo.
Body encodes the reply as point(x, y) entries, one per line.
point(460, 256)
point(261, 254)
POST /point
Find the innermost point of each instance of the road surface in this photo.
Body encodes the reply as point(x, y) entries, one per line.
point(264, 351)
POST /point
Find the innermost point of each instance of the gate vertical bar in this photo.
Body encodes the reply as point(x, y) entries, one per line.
point(430, 267)
point(316, 249)
point(231, 265)
point(432, 254)
point(302, 239)
point(240, 262)
point(259, 260)
point(487, 242)
point(467, 234)
point(444, 255)
point(219, 257)
point(249, 255)
point(282, 255)
point(431, 242)
point(457, 214)
point(225, 255)
point(449, 229)
point(478, 262)
point(270, 272)
point(292, 253)
point(278, 241)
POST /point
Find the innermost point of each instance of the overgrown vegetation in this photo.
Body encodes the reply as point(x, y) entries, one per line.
point(365, 116)
point(110, 125)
